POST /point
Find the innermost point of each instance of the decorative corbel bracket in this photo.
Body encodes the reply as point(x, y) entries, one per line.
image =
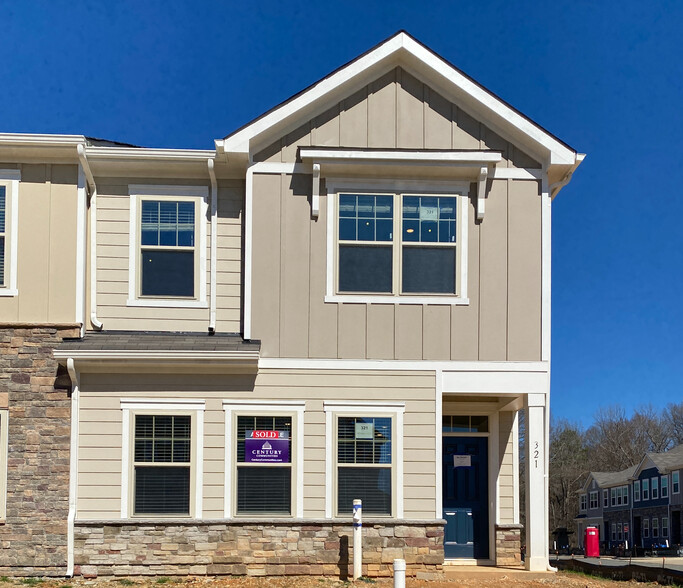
point(481, 191)
point(315, 198)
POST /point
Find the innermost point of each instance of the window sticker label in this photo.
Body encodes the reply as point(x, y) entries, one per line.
point(429, 213)
point(365, 431)
point(462, 461)
point(266, 447)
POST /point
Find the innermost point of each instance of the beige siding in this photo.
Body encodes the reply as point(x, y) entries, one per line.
point(502, 321)
point(395, 110)
point(507, 473)
point(113, 276)
point(46, 246)
point(101, 426)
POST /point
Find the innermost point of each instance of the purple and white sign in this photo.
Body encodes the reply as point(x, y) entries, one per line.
point(266, 447)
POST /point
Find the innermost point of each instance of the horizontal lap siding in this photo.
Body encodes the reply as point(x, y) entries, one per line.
point(101, 426)
point(507, 474)
point(113, 210)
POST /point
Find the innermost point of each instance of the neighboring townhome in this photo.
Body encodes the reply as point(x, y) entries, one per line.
point(657, 499)
point(209, 354)
point(592, 499)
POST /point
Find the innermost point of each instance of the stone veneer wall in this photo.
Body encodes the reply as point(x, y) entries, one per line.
point(256, 548)
point(34, 535)
point(508, 545)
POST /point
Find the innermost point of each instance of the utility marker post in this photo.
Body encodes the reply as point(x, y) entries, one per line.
point(357, 538)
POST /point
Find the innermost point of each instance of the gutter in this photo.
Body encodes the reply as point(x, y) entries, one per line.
point(214, 245)
point(93, 236)
point(73, 466)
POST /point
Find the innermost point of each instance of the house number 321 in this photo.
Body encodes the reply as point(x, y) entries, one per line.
point(536, 453)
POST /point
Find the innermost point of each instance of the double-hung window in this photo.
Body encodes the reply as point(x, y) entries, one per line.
point(646, 528)
point(605, 498)
point(636, 491)
point(665, 526)
point(665, 486)
point(675, 482)
point(393, 246)
point(168, 246)
point(646, 489)
point(582, 503)
point(162, 464)
point(9, 188)
point(655, 488)
point(655, 527)
point(625, 493)
point(593, 500)
point(613, 495)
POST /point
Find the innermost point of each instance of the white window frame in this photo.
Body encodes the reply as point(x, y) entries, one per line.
point(162, 406)
point(665, 526)
point(294, 409)
point(675, 482)
point(459, 189)
point(664, 486)
point(620, 532)
point(636, 491)
point(10, 178)
point(646, 528)
point(613, 496)
point(655, 528)
point(583, 503)
point(393, 410)
point(139, 192)
point(594, 501)
point(646, 489)
point(605, 498)
point(614, 531)
point(4, 436)
point(654, 488)
point(624, 493)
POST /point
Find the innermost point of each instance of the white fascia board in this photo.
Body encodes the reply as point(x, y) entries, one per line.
point(29, 140)
point(371, 157)
point(240, 141)
point(486, 103)
point(143, 154)
point(146, 354)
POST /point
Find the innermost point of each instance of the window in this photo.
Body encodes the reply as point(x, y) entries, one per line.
point(665, 486)
point(162, 464)
point(167, 246)
point(625, 494)
point(366, 439)
point(605, 498)
point(646, 489)
point(620, 532)
point(9, 219)
point(264, 458)
point(364, 460)
point(594, 500)
point(264, 465)
point(397, 246)
point(646, 528)
point(620, 494)
point(665, 526)
point(655, 527)
point(614, 531)
point(465, 424)
point(655, 490)
point(613, 495)
point(161, 473)
point(582, 503)
point(3, 462)
point(675, 482)
point(636, 491)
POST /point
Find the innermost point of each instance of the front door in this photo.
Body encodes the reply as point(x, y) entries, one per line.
point(465, 497)
point(675, 527)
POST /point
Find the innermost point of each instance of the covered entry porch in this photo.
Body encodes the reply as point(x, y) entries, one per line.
point(479, 455)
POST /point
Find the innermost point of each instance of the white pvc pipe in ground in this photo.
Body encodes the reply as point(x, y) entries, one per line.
point(399, 573)
point(357, 539)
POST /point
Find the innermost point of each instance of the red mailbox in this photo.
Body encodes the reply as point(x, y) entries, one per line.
point(592, 542)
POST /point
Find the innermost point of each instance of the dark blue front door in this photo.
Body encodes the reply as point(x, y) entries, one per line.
point(465, 497)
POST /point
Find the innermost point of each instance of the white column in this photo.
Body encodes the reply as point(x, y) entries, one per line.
point(536, 530)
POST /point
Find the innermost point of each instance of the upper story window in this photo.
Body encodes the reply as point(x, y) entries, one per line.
point(397, 246)
point(655, 488)
point(9, 220)
point(636, 491)
point(646, 489)
point(675, 482)
point(582, 503)
point(168, 246)
point(594, 500)
point(605, 498)
point(665, 486)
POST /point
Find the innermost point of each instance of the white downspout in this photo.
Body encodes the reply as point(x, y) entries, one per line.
point(81, 248)
point(93, 237)
point(214, 245)
point(73, 467)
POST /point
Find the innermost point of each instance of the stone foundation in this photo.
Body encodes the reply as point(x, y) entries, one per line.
point(34, 535)
point(508, 545)
point(256, 548)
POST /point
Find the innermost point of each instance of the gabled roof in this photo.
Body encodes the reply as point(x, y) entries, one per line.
point(404, 50)
point(608, 479)
point(664, 462)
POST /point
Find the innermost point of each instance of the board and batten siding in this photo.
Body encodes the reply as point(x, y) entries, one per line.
point(46, 246)
point(395, 111)
point(113, 220)
point(502, 321)
point(100, 436)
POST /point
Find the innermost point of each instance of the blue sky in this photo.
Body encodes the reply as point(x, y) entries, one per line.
point(605, 76)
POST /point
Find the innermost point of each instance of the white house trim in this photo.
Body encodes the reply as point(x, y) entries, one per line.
point(162, 405)
point(359, 408)
point(371, 157)
point(11, 178)
point(298, 407)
